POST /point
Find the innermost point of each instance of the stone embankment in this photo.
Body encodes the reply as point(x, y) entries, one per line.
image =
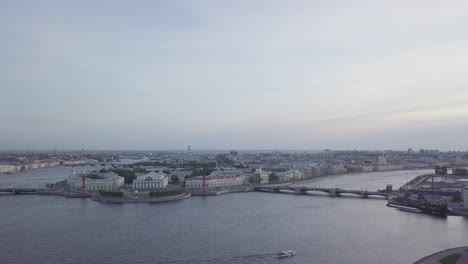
point(200, 192)
point(102, 199)
point(66, 194)
point(451, 255)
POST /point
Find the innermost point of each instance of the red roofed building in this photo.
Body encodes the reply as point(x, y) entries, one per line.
point(214, 182)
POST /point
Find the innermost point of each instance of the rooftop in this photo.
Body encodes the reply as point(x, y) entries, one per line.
point(106, 176)
point(214, 177)
point(152, 176)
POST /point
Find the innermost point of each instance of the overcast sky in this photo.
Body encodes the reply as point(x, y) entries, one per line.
point(233, 74)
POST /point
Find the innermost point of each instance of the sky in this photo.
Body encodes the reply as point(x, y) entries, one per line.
point(161, 75)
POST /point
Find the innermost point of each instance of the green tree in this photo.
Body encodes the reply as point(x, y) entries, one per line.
point(94, 176)
point(174, 179)
point(443, 170)
point(140, 170)
point(460, 172)
point(111, 194)
point(255, 179)
point(273, 178)
point(103, 170)
point(129, 175)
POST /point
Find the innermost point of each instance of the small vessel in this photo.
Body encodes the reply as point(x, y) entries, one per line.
point(284, 254)
point(437, 207)
point(408, 209)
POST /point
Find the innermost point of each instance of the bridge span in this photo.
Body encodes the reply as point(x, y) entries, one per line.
point(21, 190)
point(42, 191)
point(332, 192)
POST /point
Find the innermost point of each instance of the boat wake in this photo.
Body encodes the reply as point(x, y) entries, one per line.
point(235, 259)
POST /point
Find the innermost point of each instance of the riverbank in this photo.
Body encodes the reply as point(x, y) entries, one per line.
point(336, 175)
point(448, 256)
point(172, 198)
point(219, 192)
point(66, 194)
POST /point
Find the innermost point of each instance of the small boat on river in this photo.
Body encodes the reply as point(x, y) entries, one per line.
point(408, 209)
point(284, 254)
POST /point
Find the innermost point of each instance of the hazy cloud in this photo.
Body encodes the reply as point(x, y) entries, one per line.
point(224, 74)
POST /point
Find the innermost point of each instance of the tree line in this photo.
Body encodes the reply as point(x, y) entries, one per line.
point(111, 194)
point(460, 171)
point(128, 174)
point(256, 179)
point(166, 193)
point(94, 176)
point(441, 170)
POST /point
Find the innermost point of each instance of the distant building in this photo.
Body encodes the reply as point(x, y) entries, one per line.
point(382, 160)
point(388, 167)
point(354, 168)
point(264, 175)
point(5, 168)
point(312, 171)
point(214, 182)
point(294, 175)
point(181, 174)
point(152, 180)
point(336, 169)
point(225, 172)
point(109, 182)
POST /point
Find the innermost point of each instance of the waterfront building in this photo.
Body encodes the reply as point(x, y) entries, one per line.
point(354, 168)
point(264, 175)
point(6, 168)
point(215, 182)
point(77, 162)
point(336, 169)
point(107, 182)
point(312, 171)
point(382, 160)
point(293, 175)
point(388, 167)
point(152, 180)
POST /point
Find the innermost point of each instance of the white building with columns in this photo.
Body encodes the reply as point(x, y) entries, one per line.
point(152, 180)
point(104, 181)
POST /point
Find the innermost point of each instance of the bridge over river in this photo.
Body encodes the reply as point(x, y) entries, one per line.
point(42, 191)
point(332, 192)
point(21, 190)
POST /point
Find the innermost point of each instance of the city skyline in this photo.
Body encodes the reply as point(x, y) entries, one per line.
point(245, 75)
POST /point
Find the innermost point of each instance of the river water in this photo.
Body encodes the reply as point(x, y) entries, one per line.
point(232, 228)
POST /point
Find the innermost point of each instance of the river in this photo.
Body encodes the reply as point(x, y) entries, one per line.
point(232, 228)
